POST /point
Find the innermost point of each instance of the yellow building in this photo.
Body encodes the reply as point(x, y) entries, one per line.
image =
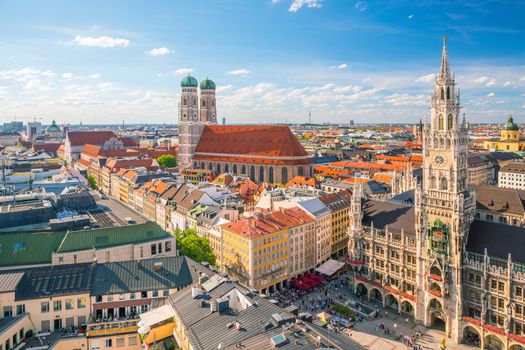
point(510, 141)
point(255, 250)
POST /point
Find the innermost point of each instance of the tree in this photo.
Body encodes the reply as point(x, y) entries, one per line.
point(167, 161)
point(92, 182)
point(192, 245)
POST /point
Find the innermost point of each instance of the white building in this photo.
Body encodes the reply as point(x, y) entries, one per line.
point(512, 176)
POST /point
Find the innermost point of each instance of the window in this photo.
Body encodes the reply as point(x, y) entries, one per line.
point(167, 246)
point(155, 293)
point(108, 343)
point(143, 294)
point(57, 305)
point(440, 122)
point(20, 309)
point(61, 260)
point(98, 298)
point(165, 293)
point(81, 303)
point(132, 340)
point(160, 248)
point(69, 304)
point(141, 252)
point(132, 296)
point(153, 249)
point(120, 342)
point(44, 306)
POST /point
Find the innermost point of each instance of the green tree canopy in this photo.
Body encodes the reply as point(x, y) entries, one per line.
point(194, 246)
point(92, 182)
point(167, 161)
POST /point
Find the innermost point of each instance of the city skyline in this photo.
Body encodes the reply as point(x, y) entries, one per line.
point(364, 61)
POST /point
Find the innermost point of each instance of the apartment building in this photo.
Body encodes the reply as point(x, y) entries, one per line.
point(512, 176)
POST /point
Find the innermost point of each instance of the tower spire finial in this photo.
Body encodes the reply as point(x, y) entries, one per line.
point(445, 69)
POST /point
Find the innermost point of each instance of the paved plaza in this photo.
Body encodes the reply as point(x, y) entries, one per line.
point(370, 333)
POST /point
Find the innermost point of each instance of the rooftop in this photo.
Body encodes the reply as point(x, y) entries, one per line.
point(133, 276)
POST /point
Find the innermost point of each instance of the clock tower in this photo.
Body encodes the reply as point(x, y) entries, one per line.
point(444, 207)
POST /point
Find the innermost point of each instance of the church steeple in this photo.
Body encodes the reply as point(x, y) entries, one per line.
point(444, 70)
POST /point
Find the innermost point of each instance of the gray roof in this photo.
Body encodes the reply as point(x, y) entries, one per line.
point(207, 330)
point(315, 207)
point(132, 276)
point(49, 281)
point(499, 239)
point(9, 281)
point(396, 215)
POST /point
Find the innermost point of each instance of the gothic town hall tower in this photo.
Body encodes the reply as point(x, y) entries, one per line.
point(444, 207)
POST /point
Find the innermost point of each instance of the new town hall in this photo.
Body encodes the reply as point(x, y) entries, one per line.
point(439, 259)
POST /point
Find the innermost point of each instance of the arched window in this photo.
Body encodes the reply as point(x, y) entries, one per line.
point(202, 165)
point(218, 168)
point(226, 168)
point(284, 175)
point(194, 101)
point(432, 182)
point(203, 103)
point(195, 166)
point(442, 93)
point(261, 173)
point(270, 174)
point(235, 169)
point(440, 122)
point(443, 184)
point(210, 166)
point(448, 93)
point(243, 169)
point(300, 171)
point(184, 116)
point(449, 122)
point(185, 102)
point(252, 173)
point(212, 103)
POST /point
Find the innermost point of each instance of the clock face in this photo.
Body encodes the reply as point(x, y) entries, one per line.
point(440, 160)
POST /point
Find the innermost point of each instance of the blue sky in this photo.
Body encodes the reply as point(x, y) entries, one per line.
point(273, 60)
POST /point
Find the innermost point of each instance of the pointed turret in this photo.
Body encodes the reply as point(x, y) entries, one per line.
point(444, 71)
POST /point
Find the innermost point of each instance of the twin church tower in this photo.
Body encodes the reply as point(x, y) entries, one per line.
point(195, 112)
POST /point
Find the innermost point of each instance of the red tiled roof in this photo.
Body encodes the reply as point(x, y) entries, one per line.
point(48, 147)
point(113, 165)
point(128, 142)
point(77, 138)
point(259, 225)
point(246, 143)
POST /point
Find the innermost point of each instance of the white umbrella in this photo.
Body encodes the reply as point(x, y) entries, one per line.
point(144, 330)
point(141, 323)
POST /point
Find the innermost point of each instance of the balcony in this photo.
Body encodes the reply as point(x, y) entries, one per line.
point(112, 327)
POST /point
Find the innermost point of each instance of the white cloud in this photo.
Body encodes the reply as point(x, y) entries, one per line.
point(522, 78)
point(482, 80)
point(347, 88)
point(339, 66)
point(425, 78)
point(298, 4)
point(105, 86)
point(101, 41)
point(67, 76)
point(491, 82)
point(20, 75)
point(159, 51)
point(491, 94)
point(223, 88)
point(3, 89)
point(361, 6)
point(48, 74)
point(94, 76)
point(507, 83)
point(410, 16)
point(240, 72)
point(183, 71)
point(35, 85)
